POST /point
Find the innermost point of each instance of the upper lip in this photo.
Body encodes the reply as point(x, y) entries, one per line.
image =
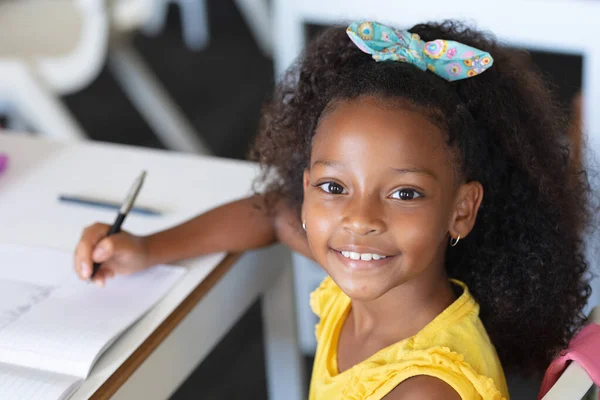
point(363, 250)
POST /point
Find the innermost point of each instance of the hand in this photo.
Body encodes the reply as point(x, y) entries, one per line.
point(122, 253)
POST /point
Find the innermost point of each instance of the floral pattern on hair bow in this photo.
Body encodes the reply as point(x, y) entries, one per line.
point(445, 58)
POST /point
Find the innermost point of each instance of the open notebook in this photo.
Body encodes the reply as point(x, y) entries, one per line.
point(53, 326)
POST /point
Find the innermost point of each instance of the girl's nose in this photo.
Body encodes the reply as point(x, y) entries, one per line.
point(364, 217)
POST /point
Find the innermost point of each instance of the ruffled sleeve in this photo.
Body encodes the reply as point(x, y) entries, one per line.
point(376, 379)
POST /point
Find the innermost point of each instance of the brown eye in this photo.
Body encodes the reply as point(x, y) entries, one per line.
point(332, 188)
point(406, 194)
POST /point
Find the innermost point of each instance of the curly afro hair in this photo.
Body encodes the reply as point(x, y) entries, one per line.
point(524, 260)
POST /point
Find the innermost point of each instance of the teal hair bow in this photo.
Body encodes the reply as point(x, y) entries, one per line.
point(448, 59)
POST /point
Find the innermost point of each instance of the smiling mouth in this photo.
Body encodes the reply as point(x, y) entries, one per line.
point(356, 260)
point(361, 256)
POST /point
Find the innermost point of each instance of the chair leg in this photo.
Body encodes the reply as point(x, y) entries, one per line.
point(35, 106)
point(156, 23)
point(153, 102)
point(194, 21)
point(258, 17)
point(195, 25)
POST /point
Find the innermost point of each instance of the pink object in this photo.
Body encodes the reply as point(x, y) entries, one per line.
point(584, 349)
point(3, 162)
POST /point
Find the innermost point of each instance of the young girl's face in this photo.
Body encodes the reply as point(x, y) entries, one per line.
point(381, 183)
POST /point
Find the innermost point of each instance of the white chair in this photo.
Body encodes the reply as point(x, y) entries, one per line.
point(566, 26)
point(49, 48)
point(54, 47)
point(194, 21)
point(257, 15)
point(574, 382)
point(195, 24)
point(140, 84)
point(137, 80)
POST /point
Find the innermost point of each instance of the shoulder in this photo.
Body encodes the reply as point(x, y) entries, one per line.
point(423, 387)
point(323, 298)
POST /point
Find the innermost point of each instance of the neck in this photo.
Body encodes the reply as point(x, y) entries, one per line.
point(405, 310)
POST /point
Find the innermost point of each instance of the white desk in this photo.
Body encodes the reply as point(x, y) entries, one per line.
point(156, 355)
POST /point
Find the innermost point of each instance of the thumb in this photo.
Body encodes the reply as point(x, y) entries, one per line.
point(105, 249)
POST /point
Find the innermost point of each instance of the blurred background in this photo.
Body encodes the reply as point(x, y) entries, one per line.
point(187, 76)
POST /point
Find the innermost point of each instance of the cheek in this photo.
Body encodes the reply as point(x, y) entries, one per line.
point(419, 234)
point(323, 222)
point(320, 221)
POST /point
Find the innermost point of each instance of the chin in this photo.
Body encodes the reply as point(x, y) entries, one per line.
point(361, 290)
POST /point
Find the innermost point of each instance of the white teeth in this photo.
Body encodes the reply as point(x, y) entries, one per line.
point(361, 256)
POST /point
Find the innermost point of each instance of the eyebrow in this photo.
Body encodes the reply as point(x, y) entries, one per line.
point(328, 163)
point(423, 171)
point(339, 165)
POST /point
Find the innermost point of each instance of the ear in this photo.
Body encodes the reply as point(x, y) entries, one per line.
point(468, 199)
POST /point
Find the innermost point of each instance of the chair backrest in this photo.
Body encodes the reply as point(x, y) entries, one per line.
point(64, 41)
point(29, 29)
point(574, 382)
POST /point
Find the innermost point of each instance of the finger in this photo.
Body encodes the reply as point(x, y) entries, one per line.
point(100, 277)
point(103, 250)
point(83, 253)
point(86, 270)
point(109, 246)
point(109, 249)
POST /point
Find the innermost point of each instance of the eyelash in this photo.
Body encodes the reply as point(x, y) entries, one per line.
point(328, 191)
point(415, 192)
point(320, 186)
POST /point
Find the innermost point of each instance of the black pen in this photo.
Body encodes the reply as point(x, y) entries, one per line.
point(125, 208)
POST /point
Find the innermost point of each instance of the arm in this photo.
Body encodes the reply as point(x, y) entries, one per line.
point(423, 387)
point(234, 227)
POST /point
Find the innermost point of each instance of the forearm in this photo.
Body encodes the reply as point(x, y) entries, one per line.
point(234, 227)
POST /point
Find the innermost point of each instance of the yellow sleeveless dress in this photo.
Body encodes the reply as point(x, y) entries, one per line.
point(454, 347)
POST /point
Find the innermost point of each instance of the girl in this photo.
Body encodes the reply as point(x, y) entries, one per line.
point(425, 171)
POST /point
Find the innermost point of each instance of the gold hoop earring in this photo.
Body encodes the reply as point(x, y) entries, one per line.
point(454, 242)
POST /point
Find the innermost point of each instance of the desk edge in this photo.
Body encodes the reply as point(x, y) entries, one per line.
point(120, 376)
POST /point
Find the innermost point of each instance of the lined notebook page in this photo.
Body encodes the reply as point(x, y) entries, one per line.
point(17, 298)
point(67, 331)
point(18, 383)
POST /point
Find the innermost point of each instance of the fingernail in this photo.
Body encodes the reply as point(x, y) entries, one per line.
point(99, 252)
point(85, 269)
point(99, 283)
